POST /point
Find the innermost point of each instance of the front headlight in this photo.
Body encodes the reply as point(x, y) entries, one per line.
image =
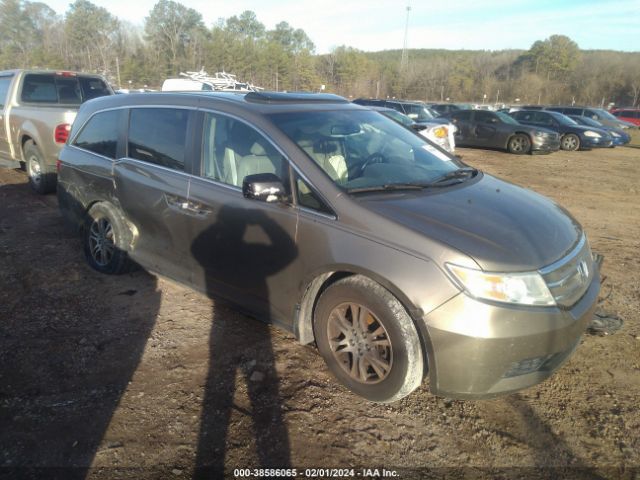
point(615, 134)
point(439, 132)
point(539, 133)
point(516, 288)
point(591, 133)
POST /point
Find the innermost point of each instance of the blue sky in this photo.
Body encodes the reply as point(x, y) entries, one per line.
point(453, 24)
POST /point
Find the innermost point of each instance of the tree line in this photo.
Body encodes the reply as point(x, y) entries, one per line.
point(174, 38)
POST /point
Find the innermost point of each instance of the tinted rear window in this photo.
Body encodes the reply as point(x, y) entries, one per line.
point(158, 136)
point(100, 134)
point(59, 89)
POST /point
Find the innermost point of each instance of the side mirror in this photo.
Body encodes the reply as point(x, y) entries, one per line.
point(264, 187)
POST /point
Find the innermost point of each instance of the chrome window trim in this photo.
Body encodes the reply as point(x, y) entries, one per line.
point(155, 165)
point(126, 107)
point(217, 183)
point(566, 259)
point(311, 211)
point(84, 150)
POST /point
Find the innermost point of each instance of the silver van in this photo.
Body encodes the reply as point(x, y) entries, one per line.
point(336, 223)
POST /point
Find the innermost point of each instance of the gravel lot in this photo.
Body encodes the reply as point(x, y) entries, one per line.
point(137, 377)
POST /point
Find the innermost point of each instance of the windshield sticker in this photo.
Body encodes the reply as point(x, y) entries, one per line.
point(434, 151)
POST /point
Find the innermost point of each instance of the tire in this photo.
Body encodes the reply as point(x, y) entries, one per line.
point(519, 144)
point(42, 177)
point(570, 142)
point(390, 364)
point(105, 238)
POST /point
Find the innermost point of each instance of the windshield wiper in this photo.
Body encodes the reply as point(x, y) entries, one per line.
point(457, 174)
point(389, 187)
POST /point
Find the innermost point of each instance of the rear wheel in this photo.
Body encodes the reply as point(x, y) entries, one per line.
point(368, 340)
point(42, 178)
point(105, 240)
point(519, 144)
point(570, 142)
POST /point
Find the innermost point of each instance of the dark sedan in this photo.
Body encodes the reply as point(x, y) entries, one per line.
point(480, 128)
point(618, 136)
point(572, 135)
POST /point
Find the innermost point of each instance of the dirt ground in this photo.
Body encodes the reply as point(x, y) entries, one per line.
point(137, 377)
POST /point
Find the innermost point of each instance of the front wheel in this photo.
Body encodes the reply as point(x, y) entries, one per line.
point(368, 340)
point(519, 144)
point(570, 142)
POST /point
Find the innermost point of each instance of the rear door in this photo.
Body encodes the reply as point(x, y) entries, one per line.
point(244, 250)
point(5, 84)
point(462, 120)
point(152, 185)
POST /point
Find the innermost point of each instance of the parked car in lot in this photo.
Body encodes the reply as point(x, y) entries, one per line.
point(439, 132)
point(572, 135)
point(417, 112)
point(598, 114)
point(339, 224)
point(37, 109)
point(630, 115)
point(447, 108)
point(618, 136)
point(480, 128)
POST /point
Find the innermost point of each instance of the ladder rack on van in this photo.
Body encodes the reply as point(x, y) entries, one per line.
point(221, 81)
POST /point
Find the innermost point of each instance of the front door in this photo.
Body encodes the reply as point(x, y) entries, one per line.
point(244, 250)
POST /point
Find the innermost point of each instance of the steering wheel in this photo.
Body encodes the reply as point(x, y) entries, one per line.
point(376, 157)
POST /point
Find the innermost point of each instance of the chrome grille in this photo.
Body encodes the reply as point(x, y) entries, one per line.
point(569, 278)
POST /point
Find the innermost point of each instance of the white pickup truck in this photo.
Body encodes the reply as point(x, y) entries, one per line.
point(37, 108)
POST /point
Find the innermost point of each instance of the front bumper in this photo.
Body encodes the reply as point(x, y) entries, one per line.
point(595, 142)
point(480, 350)
point(545, 145)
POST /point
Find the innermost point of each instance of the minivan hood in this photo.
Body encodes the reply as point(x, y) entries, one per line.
point(503, 227)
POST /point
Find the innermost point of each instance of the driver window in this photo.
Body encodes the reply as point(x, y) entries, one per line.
point(308, 198)
point(232, 150)
point(484, 117)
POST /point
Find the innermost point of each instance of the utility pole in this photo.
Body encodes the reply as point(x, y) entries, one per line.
point(118, 72)
point(404, 61)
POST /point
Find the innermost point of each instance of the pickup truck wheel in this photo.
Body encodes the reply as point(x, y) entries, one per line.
point(368, 340)
point(105, 240)
point(41, 178)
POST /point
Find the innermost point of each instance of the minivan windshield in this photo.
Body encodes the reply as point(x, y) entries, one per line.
point(361, 149)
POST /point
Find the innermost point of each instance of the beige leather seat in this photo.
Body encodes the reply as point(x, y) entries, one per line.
point(325, 153)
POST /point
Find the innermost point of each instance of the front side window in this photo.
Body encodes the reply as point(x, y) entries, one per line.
point(308, 198)
point(362, 149)
point(485, 117)
point(158, 136)
point(464, 115)
point(232, 150)
point(100, 134)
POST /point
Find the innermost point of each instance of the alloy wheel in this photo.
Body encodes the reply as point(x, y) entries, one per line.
point(101, 241)
point(360, 343)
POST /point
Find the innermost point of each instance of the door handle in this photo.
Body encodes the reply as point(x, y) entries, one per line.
point(185, 206)
point(196, 209)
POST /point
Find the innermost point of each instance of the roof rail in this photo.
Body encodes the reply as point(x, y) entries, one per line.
point(294, 97)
